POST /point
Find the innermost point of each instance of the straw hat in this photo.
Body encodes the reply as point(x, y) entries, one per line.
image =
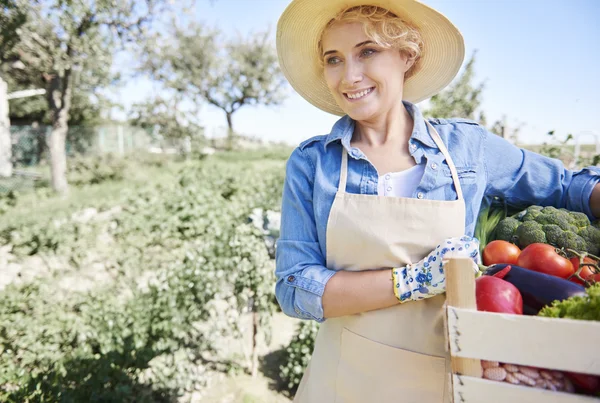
point(299, 30)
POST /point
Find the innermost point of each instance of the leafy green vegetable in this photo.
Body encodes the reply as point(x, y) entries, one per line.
point(578, 307)
point(487, 221)
point(559, 227)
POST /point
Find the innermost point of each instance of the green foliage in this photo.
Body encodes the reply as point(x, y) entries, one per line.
point(555, 149)
point(168, 119)
point(91, 170)
point(196, 63)
point(585, 307)
point(487, 221)
point(298, 353)
point(461, 100)
point(187, 257)
point(106, 348)
point(8, 200)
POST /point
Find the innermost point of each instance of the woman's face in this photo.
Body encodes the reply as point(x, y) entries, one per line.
point(365, 79)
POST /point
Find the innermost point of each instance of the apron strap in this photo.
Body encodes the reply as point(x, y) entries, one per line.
point(343, 171)
point(438, 140)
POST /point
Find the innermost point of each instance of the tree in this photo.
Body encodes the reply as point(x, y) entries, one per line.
point(461, 100)
point(12, 18)
point(168, 119)
point(228, 74)
point(54, 45)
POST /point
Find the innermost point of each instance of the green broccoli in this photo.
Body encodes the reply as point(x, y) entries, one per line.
point(553, 233)
point(505, 230)
point(572, 241)
point(557, 217)
point(591, 236)
point(580, 220)
point(559, 227)
point(548, 210)
point(563, 239)
point(530, 215)
point(530, 232)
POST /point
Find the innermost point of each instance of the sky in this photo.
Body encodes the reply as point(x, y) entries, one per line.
point(539, 60)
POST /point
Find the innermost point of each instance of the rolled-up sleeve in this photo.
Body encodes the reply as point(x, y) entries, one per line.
point(300, 266)
point(522, 177)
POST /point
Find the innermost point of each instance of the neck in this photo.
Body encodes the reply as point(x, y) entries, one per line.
point(393, 127)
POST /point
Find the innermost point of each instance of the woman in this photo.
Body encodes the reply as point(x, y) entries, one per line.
point(370, 210)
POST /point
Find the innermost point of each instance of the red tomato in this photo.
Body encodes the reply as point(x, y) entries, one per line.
point(586, 271)
point(594, 278)
point(543, 258)
point(500, 252)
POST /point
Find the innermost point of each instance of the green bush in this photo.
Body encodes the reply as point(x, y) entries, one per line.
point(190, 237)
point(91, 170)
point(8, 200)
point(298, 353)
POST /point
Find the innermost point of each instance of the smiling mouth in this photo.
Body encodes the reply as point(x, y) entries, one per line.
point(358, 95)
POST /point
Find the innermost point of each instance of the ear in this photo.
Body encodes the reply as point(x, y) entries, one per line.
point(408, 62)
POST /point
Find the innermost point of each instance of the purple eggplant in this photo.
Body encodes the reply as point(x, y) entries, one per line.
point(537, 289)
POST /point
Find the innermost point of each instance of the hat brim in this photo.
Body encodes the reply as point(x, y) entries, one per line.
point(300, 27)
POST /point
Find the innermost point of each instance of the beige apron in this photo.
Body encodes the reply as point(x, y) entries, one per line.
point(395, 354)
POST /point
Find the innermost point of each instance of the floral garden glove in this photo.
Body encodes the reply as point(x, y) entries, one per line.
point(426, 278)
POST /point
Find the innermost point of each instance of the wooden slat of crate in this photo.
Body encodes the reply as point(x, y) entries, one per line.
point(563, 344)
point(478, 390)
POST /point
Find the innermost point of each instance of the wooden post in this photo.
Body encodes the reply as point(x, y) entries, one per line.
point(460, 293)
point(5, 140)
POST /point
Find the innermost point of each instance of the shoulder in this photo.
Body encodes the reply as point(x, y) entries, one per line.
point(312, 142)
point(455, 123)
point(303, 158)
point(458, 129)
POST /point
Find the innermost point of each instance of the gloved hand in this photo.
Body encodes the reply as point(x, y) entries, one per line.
point(426, 278)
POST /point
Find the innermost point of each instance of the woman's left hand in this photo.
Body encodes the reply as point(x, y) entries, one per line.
point(427, 278)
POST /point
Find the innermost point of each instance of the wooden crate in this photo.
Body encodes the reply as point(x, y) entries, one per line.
point(560, 344)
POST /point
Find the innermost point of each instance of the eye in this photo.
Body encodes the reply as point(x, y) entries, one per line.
point(367, 52)
point(332, 60)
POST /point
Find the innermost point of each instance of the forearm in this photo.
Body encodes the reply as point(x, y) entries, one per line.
point(348, 293)
point(595, 201)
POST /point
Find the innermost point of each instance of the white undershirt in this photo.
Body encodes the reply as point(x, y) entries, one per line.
point(401, 184)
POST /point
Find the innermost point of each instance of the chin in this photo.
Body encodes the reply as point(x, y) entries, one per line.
point(364, 113)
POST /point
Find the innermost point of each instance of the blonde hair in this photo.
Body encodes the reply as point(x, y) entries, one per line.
point(384, 28)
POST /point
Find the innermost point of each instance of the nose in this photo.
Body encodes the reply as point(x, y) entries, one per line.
point(352, 73)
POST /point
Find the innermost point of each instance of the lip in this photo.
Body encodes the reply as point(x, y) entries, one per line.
point(370, 89)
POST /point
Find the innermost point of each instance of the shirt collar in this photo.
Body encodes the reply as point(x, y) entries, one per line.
point(344, 128)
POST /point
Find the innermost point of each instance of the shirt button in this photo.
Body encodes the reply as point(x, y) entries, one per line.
point(420, 195)
point(291, 279)
point(434, 166)
point(387, 177)
point(413, 147)
point(355, 152)
point(389, 189)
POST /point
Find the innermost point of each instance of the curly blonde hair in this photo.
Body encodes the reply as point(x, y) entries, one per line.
point(385, 29)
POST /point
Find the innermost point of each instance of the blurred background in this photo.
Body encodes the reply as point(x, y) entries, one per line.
point(142, 156)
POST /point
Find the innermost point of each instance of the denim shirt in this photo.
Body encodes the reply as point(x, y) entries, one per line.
point(488, 166)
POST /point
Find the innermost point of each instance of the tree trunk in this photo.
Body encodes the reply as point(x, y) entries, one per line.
point(5, 141)
point(254, 370)
point(59, 98)
point(230, 133)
